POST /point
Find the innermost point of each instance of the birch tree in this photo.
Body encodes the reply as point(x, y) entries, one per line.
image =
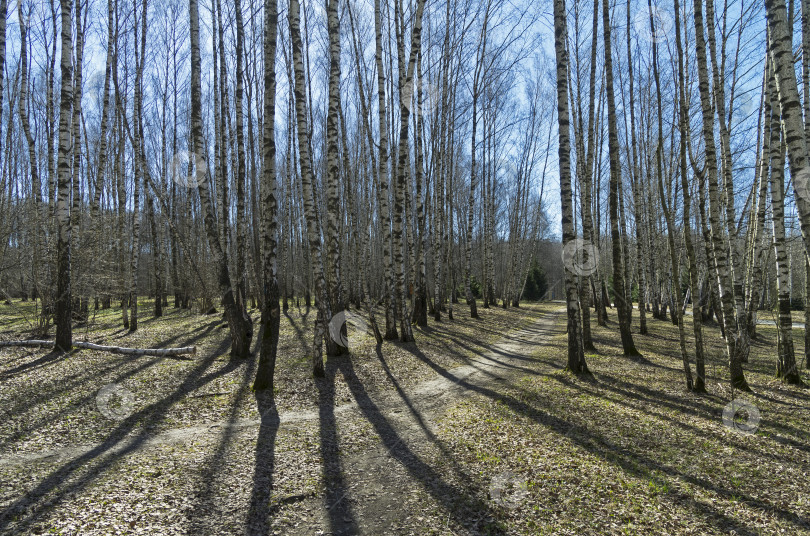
point(736, 342)
point(64, 298)
point(241, 167)
point(3, 14)
point(271, 316)
point(240, 326)
point(576, 356)
point(615, 177)
point(36, 181)
point(786, 358)
point(478, 82)
point(333, 169)
point(677, 313)
point(383, 179)
point(683, 128)
point(137, 162)
point(313, 233)
point(406, 334)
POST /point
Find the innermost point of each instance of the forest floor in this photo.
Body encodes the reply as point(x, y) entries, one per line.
point(474, 429)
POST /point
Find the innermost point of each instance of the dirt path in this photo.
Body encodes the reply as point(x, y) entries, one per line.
point(499, 360)
point(375, 489)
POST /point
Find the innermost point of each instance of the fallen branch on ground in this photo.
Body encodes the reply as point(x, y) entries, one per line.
point(158, 352)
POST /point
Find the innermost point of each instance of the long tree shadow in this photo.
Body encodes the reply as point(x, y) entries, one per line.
point(625, 398)
point(641, 392)
point(206, 496)
point(477, 348)
point(76, 474)
point(630, 462)
point(790, 392)
point(342, 520)
point(199, 333)
point(259, 511)
point(461, 504)
point(299, 332)
point(446, 337)
point(67, 383)
point(51, 357)
point(487, 354)
point(417, 416)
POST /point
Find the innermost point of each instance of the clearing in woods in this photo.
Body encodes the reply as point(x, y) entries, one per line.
point(475, 429)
